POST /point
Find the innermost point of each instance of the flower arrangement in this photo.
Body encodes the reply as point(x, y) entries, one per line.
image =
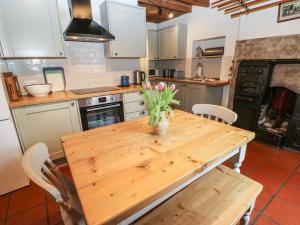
point(158, 103)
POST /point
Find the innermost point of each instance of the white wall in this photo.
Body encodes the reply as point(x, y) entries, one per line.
point(264, 24)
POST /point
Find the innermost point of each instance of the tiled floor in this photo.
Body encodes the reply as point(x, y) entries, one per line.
point(279, 203)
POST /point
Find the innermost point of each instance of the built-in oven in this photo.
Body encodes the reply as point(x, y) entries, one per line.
point(101, 111)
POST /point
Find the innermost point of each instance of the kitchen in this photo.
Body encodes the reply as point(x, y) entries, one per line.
point(98, 85)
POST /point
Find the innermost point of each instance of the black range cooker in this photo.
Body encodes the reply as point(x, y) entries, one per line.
point(252, 80)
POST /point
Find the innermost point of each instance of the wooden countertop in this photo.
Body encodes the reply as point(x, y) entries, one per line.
point(66, 95)
point(217, 83)
point(120, 169)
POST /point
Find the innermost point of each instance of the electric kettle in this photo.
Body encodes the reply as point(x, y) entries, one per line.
point(139, 76)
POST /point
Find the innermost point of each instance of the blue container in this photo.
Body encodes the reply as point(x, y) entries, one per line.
point(124, 81)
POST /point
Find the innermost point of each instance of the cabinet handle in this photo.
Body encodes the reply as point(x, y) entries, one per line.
point(142, 103)
point(140, 93)
point(116, 53)
point(142, 113)
point(72, 104)
point(60, 53)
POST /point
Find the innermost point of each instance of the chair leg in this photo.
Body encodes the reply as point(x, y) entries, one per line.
point(246, 218)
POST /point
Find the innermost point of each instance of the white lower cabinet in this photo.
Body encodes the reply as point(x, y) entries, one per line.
point(47, 123)
point(134, 105)
point(191, 94)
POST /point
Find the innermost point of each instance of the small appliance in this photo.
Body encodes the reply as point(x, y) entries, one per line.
point(153, 72)
point(139, 76)
point(124, 81)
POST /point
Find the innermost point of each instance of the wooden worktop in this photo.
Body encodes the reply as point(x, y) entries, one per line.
point(216, 83)
point(66, 95)
point(119, 169)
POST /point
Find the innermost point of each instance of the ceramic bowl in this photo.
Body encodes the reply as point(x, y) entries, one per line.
point(38, 89)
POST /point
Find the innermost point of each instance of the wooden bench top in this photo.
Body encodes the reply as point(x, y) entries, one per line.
point(222, 196)
point(120, 169)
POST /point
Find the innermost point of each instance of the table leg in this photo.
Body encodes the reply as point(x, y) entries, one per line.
point(246, 219)
point(239, 158)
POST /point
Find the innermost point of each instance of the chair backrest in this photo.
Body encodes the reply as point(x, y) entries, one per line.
point(33, 163)
point(216, 111)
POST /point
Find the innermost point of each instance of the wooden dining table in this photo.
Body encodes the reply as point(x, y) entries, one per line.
point(122, 171)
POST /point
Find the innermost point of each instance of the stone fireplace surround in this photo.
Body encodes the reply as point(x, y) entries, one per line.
point(271, 48)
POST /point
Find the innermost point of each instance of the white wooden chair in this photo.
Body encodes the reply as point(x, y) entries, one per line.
point(216, 111)
point(42, 171)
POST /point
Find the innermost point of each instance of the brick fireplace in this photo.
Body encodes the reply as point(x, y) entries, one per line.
point(265, 89)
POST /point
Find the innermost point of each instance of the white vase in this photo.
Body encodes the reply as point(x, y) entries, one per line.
point(162, 127)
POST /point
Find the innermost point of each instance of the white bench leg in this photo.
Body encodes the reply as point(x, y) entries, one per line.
point(247, 216)
point(238, 159)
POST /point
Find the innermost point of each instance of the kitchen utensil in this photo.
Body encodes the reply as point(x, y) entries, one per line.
point(12, 85)
point(217, 51)
point(38, 90)
point(139, 76)
point(124, 81)
point(56, 77)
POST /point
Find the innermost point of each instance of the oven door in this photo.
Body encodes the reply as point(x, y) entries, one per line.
point(101, 115)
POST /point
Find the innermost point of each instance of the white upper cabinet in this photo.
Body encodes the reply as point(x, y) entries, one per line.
point(128, 24)
point(152, 44)
point(172, 42)
point(30, 28)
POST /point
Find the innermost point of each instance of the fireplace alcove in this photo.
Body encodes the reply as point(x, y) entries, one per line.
point(267, 100)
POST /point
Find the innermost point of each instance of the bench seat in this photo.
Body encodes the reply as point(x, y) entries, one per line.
point(221, 197)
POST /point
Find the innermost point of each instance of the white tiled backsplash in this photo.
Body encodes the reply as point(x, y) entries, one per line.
point(85, 66)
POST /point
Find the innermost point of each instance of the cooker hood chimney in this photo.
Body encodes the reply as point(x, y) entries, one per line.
point(82, 27)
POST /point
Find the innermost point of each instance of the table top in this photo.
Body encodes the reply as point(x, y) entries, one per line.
point(120, 169)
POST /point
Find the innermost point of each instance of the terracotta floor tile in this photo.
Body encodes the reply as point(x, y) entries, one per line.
point(3, 206)
point(270, 183)
point(254, 214)
point(263, 220)
point(33, 216)
point(66, 170)
point(295, 179)
point(26, 198)
point(54, 216)
point(262, 199)
point(283, 213)
point(2, 222)
point(291, 193)
point(275, 170)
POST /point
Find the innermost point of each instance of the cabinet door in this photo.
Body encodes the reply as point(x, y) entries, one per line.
point(195, 95)
point(128, 25)
point(171, 42)
point(152, 44)
point(31, 29)
point(181, 96)
point(47, 123)
point(248, 115)
point(162, 44)
point(293, 140)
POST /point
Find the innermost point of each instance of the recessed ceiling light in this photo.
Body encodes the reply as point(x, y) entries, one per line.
point(170, 14)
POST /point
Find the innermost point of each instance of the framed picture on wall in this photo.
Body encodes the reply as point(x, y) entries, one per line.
point(289, 11)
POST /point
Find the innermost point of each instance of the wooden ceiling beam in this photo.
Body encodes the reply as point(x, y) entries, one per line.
point(258, 8)
point(203, 3)
point(237, 8)
point(169, 4)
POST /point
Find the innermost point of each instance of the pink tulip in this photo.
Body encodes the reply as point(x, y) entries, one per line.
point(173, 87)
point(147, 86)
point(161, 86)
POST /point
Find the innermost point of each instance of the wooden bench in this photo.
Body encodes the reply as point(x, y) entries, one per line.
point(221, 197)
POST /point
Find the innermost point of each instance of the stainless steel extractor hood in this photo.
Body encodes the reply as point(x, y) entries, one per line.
point(82, 27)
